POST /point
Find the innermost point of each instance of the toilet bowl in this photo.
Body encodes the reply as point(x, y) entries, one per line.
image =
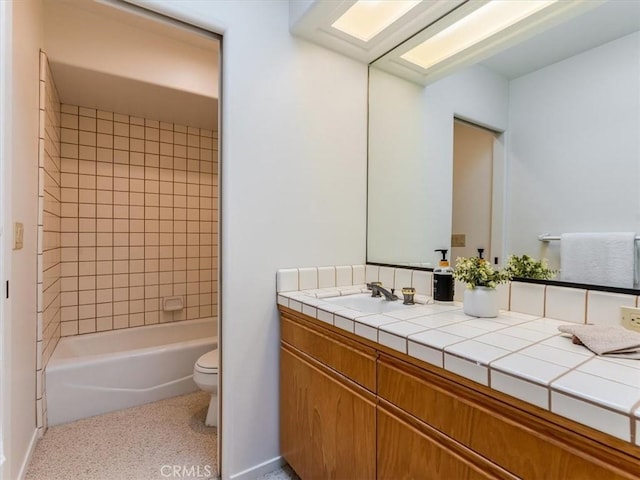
point(205, 374)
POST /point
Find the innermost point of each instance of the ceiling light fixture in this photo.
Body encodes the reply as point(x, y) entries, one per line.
point(367, 18)
point(483, 23)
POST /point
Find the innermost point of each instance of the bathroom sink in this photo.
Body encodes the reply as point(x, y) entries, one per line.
point(365, 303)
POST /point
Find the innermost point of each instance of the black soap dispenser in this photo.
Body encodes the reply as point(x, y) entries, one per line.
point(443, 283)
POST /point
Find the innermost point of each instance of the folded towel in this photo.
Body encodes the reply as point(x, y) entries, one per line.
point(613, 341)
point(601, 258)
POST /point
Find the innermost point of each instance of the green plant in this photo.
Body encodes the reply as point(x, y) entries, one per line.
point(477, 272)
point(527, 267)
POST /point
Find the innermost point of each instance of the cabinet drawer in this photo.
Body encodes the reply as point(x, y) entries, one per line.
point(408, 449)
point(508, 437)
point(353, 360)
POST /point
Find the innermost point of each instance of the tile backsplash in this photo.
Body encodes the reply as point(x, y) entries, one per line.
point(139, 220)
point(560, 303)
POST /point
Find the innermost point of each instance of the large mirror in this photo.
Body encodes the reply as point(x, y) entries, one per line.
point(541, 138)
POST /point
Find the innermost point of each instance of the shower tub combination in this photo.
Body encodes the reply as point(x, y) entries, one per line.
point(102, 372)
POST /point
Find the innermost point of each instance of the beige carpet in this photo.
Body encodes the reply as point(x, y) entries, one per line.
point(160, 440)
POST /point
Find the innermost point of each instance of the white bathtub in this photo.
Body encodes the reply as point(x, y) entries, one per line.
point(101, 372)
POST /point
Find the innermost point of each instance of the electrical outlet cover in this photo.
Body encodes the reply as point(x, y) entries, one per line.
point(630, 318)
point(458, 240)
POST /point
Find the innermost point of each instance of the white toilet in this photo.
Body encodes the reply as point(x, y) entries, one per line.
point(205, 374)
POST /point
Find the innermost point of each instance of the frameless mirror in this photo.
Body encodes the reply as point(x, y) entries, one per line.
point(542, 138)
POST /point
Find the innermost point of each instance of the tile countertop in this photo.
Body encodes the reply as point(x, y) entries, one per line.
point(524, 356)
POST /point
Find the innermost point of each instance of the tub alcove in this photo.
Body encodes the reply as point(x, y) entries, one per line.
point(128, 208)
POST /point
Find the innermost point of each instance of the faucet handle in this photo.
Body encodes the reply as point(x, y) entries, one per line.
point(409, 294)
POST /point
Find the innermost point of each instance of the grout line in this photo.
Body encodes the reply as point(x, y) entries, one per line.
point(95, 152)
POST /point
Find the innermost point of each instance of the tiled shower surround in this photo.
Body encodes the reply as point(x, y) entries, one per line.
point(48, 286)
point(139, 221)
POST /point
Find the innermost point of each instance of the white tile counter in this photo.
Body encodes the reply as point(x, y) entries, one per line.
point(522, 355)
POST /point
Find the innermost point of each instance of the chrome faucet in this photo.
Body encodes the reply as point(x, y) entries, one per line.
point(377, 289)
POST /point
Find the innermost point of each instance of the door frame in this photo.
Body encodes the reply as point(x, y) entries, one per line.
point(133, 7)
point(5, 216)
point(498, 190)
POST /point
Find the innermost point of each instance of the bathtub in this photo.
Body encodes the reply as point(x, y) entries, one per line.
point(101, 372)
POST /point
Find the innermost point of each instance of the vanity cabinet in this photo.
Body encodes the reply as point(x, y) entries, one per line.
point(354, 409)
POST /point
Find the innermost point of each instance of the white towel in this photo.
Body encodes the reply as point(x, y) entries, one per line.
point(611, 340)
point(598, 258)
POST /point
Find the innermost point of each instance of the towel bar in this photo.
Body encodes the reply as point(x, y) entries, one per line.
point(545, 237)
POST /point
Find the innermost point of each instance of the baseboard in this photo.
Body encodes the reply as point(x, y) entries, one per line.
point(259, 470)
point(27, 458)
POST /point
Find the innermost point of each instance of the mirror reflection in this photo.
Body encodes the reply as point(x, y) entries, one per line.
point(542, 138)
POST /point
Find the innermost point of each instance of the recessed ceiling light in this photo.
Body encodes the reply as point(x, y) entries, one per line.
point(485, 22)
point(366, 18)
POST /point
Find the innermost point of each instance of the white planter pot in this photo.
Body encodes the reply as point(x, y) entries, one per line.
point(481, 302)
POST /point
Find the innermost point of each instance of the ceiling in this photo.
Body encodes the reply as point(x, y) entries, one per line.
point(566, 28)
point(313, 19)
point(120, 11)
point(609, 21)
point(110, 56)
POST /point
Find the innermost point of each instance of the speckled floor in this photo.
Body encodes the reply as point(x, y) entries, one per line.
point(148, 442)
point(284, 473)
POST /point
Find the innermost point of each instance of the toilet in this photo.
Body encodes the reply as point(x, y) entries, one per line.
point(205, 374)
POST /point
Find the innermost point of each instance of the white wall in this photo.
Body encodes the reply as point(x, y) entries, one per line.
point(574, 148)
point(410, 157)
point(22, 176)
point(293, 193)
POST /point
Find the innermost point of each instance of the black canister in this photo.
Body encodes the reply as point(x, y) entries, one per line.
point(443, 283)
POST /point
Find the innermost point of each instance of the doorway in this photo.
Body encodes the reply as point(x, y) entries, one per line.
point(137, 167)
point(475, 222)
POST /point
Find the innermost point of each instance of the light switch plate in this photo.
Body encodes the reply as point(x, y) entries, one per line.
point(18, 236)
point(630, 318)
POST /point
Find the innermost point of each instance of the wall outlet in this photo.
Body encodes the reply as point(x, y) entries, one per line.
point(630, 318)
point(458, 240)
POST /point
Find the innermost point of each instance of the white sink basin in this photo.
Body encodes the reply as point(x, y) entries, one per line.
point(365, 303)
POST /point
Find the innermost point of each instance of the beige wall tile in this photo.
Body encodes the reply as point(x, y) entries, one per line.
point(138, 221)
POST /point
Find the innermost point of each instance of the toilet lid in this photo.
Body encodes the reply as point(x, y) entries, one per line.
point(208, 363)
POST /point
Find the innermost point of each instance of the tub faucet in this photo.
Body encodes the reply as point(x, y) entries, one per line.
point(376, 289)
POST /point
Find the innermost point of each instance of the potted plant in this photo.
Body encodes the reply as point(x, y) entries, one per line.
point(480, 297)
point(527, 267)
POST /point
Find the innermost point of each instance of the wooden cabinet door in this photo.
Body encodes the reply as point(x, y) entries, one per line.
point(327, 422)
